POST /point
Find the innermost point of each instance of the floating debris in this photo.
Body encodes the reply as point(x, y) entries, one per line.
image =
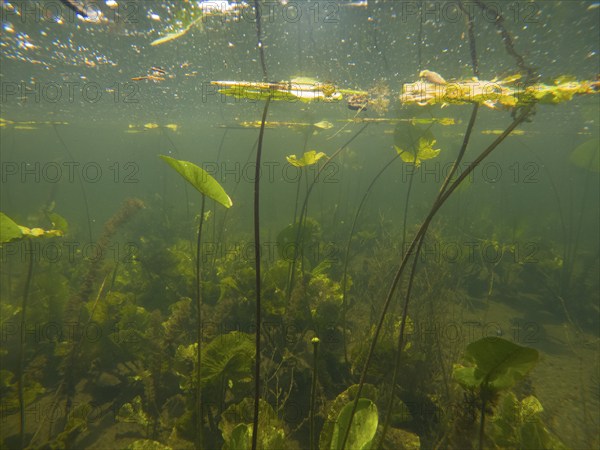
point(29, 124)
point(494, 94)
point(151, 126)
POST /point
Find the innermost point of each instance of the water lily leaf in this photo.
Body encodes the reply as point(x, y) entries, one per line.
point(424, 151)
point(499, 364)
point(414, 144)
point(587, 155)
point(362, 429)
point(200, 179)
point(308, 159)
point(9, 230)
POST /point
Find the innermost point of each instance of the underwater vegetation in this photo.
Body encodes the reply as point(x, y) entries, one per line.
point(330, 339)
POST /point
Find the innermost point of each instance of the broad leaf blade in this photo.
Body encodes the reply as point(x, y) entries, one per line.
point(9, 230)
point(200, 179)
point(362, 429)
point(501, 363)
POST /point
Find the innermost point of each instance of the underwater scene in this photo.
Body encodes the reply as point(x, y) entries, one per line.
point(321, 225)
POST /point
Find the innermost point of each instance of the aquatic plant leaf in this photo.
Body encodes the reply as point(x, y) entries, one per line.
point(363, 427)
point(133, 412)
point(308, 159)
point(271, 434)
point(424, 151)
point(58, 221)
point(9, 230)
point(414, 144)
point(200, 179)
point(587, 155)
point(499, 364)
point(240, 438)
point(229, 355)
point(335, 410)
point(518, 424)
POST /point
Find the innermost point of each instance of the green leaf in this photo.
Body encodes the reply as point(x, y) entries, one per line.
point(240, 439)
point(362, 430)
point(58, 221)
point(308, 159)
point(229, 355)
point(200, 179)
point(499, 364)
point(414, 144)
point(236, 427)
point(9, 230)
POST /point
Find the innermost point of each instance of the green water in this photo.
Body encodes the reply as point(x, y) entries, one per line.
point(105, 356)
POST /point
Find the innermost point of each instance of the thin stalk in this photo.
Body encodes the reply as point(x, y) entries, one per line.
point(199, 405)
point(313, 392)
point(257, 254)
point(257, 251)
point(482, 423)
point(21, 366)
point(461, 153)
point(441, 199)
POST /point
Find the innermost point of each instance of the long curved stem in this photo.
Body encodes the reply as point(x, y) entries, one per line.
point(441, 199)
point(313, 392)
point(257, 253)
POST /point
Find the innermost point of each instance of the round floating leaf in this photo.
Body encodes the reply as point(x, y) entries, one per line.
point(200, 179)
point(308, 159)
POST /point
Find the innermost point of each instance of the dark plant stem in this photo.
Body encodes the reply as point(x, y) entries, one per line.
point(199, 406)
point(257, 254)
point(445, 184)
point(257, 251)
point(441, 199)
point(22, 343)
point(482, 422)
point(313, 392)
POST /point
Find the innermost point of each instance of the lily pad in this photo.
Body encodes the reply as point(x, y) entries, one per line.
point(308, 159)
point(200, 179)
point(414, 144)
